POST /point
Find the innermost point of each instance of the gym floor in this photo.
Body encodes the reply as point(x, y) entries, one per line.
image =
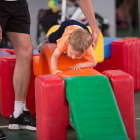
point(71, 134)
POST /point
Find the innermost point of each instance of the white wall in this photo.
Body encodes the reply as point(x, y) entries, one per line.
point(34, 7)
point(106, 8)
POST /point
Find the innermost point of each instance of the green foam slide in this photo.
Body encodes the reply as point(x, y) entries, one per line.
point(94, 112)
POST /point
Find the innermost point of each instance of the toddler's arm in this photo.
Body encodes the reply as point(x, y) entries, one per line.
point(54, 59)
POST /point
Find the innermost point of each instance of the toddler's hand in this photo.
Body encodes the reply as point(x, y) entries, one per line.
point(56, 71)
point(75, 67)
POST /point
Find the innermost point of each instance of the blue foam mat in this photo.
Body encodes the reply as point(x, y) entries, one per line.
point(4, 53)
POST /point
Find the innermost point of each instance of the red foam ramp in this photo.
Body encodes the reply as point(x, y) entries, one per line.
point(125, 55)
point(122, 85)
point(7, 96)
point(52, 111)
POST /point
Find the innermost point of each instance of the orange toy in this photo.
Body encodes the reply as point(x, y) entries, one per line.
point(35, 65)
point(42, 65)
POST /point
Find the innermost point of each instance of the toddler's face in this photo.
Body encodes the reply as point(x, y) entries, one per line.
point(74, 54)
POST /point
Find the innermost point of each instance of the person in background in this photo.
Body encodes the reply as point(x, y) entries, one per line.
point(121, 14)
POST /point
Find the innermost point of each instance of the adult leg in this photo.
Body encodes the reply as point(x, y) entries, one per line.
point(121, 10)
point(131, 7)
point(24, 51)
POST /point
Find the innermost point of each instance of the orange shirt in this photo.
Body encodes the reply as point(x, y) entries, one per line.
point(62, 44)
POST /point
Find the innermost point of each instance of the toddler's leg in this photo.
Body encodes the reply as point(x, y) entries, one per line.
point(53, 36)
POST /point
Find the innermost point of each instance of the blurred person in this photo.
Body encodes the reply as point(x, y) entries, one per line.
point(121, 15)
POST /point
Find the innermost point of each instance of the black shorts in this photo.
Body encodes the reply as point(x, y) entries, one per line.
point(14, 16)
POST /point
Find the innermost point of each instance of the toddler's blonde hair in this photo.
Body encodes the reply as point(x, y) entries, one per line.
point(80, 40)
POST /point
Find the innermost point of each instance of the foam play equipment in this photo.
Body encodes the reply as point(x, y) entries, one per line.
point(123, 88)
point(42, 64)
point(35, 65)
point(52, 111)
point(7, 97)
point(45, 68)
point(99, 51)
point(47, 87)
point(53, 29)
point(125, 55)
point(50, 90)
point(107, 43)
point(82, 72)
point(94, 113)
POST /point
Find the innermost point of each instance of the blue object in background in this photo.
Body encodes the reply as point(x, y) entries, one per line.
point(55, 1)
point(35, 51)
point(4, 53)
point(107, 43)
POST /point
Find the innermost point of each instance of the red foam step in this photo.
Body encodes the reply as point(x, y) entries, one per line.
point(122, 85)
point(52, 111)
point(7, 97)
point(125, 55)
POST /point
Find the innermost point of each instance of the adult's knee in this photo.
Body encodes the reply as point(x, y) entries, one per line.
point(25, 53)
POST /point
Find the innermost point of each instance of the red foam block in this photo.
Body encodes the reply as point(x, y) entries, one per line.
point(52, 111)
point(7, 97)
point(125, 55)
point(122, 85)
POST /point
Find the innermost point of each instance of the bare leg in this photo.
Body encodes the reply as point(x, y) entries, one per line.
point(24, 51)
point(121, 11)
point(131, 6)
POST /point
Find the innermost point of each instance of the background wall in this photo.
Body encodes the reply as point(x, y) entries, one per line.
point(106, 8)
point(34, 7)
